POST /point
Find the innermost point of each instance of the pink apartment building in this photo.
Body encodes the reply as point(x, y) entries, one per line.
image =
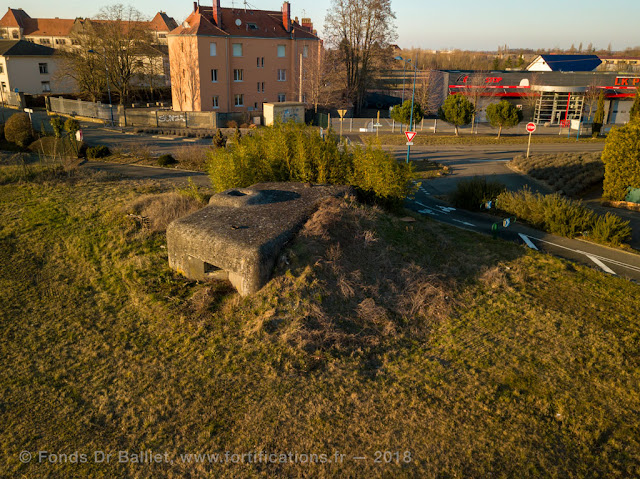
point(234, 60)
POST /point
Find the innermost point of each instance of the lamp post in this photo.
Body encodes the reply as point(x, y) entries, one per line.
point(413, 97)
point(106, 68)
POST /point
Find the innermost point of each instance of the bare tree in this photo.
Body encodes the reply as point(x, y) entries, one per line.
point(475, 88)
point(530, 95)
point(360, 30)
point(318, 78)
point(185, 77)
point(123, 33)
point(84, 65)
point(591, 98)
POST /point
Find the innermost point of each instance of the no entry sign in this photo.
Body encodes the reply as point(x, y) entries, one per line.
point(531, 127)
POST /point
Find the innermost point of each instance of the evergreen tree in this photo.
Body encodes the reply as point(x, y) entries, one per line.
point(402, 113)
point(503, 115)
point(456, 110)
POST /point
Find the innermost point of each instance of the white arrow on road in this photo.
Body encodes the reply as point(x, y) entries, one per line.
point(527, 241)
point(605, 268)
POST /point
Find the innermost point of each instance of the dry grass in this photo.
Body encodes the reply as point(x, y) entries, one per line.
point(156, 211)
point(192, 157)
point(478, 357)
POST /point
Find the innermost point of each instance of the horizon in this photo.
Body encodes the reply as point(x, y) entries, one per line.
point(479, 30)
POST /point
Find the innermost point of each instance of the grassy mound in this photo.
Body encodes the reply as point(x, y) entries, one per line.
point(58, 147)
point(565, 173)
point(463, 355)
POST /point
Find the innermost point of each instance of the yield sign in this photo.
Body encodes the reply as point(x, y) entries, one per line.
point(410, 135)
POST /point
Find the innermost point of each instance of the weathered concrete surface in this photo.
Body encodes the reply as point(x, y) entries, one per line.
point(239, 235)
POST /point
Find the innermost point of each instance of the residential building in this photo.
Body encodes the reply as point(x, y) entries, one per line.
point(234, 60)
point(29, 68)
point(16, 24)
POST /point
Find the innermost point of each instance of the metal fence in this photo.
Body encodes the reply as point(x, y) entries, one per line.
point(84, 108)
point(12, 99)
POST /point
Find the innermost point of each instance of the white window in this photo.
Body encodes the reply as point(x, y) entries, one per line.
point(281, 51)
point(213, 49)
point(61, 41)
point(238, 74)
point(237, 49)
point(46, 86)
point(305, 51)
point(4, 86)
point(1, 68)
point(282, 97)
point(44, 68)
point(260, 87)
point(282, 75)
point(14, 34)
point(260, 62)
point(214, 76)
point(215, 102)
point(239, 100)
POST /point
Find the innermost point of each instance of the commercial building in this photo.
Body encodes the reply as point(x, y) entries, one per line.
point(29, 68)
point(550, 98)
point(234, 60)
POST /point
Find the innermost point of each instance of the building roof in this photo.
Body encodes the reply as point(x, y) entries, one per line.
point(62, 27)
point(163, 23)
point(24, 48)
point(252, 23)
point(14, 17)
point(570, 63)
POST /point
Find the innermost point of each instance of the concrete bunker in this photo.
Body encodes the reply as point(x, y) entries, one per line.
point(238, 236)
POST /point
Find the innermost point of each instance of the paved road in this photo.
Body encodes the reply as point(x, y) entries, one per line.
point(608, 260)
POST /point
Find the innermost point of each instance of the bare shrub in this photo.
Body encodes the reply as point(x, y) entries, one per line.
point(192, 157)
point(161, 209)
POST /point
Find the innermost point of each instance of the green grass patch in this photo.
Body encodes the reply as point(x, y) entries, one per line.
point(476, 356)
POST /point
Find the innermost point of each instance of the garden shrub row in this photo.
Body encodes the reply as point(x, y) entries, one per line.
point(621, 158)
point(473, 193)
point(563, 216)
point(565, 173)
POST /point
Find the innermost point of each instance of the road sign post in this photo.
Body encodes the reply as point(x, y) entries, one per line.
point(531, 127)
point(342, 113)
point(410, 136)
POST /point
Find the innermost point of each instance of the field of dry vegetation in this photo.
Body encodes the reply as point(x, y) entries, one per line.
point(477, 357)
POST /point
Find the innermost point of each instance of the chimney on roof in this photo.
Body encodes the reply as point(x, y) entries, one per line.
point(217, 13)
point(195, 6)
point(306, 23)
point(286, 16)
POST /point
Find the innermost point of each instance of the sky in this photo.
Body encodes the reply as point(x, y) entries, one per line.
point(465, 24)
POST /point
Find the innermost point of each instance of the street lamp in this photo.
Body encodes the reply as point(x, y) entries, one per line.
point(106, 68)
point(413, 97)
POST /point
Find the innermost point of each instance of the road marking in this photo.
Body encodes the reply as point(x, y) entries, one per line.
point(427, 212)
point(605, 268)
point(527, 241)
point(163, 137)
point(463, 222)
point(601, 258)
point(446, 209)
point(190, 139)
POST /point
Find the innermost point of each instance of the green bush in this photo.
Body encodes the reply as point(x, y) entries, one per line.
point(71, 126)
point(621, 158)
point(562, 216)
point(471, 194)
point(294, 152)
point(166, 160)
point(57, 124)
point(99, 151)
point(457, 110)
point(59, 147)
point(219, 139)
point(18, 130)
point(503, 115)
